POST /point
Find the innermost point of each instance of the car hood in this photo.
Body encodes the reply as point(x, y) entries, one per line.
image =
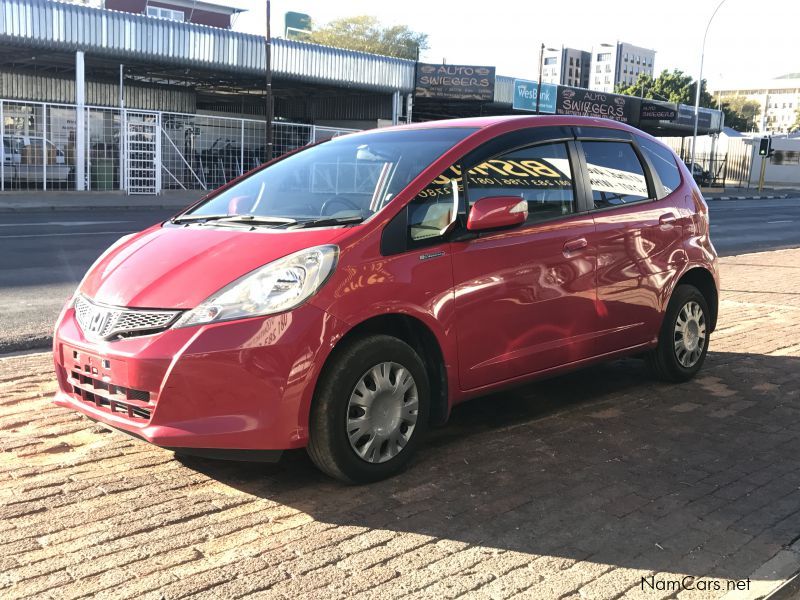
point(179, 267)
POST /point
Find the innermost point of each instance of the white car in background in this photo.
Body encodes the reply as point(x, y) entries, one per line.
point(17, 170)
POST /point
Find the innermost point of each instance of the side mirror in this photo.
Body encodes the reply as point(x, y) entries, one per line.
point(497, 212)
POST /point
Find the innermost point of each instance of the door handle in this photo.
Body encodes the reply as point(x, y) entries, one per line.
point(574, 245)
point(667, 219)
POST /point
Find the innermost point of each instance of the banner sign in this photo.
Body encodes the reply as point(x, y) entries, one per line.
point(652, 110)
point(525, 96)
point(591, 103)
point(458, 82)
point(704, 117)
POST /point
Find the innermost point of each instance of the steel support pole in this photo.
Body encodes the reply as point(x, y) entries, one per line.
point(395, 107)
point(44, 147)
point(539, 86)
point(270, 108)
point(80, 123)
point(2, 150)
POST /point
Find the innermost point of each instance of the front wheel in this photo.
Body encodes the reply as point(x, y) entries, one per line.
point(684, 336)
point(370, 410)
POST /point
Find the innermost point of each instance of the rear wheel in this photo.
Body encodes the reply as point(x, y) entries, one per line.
point(683, 340)
point(370, 410)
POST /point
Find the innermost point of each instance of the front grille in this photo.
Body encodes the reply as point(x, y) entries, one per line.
point(134, 404)
point(100, 322)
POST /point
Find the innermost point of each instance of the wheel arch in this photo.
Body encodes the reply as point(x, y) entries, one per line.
point(703, 280)
point(422, 339)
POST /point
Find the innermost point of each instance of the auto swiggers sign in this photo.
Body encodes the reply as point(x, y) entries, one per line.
point(458, 82)
point(591, 103)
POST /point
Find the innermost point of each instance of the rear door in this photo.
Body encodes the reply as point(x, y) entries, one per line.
point(525, 296)
point(638, 233)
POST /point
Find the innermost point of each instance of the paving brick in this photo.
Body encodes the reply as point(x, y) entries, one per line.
point(583, 485)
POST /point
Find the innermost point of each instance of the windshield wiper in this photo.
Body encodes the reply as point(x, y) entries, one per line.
point(192, 218)
point(326, 221)
point(234, 219)
point(257, 220)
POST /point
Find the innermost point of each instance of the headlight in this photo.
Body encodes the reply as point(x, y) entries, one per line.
point(278, 286)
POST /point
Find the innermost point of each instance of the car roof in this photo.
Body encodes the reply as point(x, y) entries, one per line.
point(521, 121)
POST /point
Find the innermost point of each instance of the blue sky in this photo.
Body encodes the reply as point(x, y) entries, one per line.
point(747, 42)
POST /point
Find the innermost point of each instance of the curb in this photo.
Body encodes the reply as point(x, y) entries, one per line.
point(39, 343)
point(770, 197)
point(776, 579)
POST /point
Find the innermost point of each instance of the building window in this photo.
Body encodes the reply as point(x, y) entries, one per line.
point(165, 13)
point(608, 68)
point(604, 56)
point(571, 61)
point(570, 71)
point(577, 62)
point(550, 60)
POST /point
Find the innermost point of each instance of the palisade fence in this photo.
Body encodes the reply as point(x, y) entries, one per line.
point(725, 162)
point(141, 152)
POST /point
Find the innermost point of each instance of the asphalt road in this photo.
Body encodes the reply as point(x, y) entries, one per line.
point(44, 255)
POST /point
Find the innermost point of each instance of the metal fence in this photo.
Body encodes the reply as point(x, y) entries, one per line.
point(133, 150)
point(721, 164)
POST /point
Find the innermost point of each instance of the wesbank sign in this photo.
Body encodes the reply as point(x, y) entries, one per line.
point(525, 96)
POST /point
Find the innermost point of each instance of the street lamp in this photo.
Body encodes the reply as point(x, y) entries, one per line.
point(541, 67)
point(700, 83)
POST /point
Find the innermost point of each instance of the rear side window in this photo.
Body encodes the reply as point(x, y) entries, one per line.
point(539, 174)
point(663, 162)
point(615, 173)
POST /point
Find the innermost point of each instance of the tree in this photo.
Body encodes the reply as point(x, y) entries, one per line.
point(675, 86)
point(366, 34)
point(741, 113)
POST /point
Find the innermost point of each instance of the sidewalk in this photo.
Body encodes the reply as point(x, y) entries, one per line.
point(38, 201)
point(595, 485)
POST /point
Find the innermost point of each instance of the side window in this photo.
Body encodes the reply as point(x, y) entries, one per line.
point(541, 175)
point(431, 211)
point(615, 174)
point(663, 162)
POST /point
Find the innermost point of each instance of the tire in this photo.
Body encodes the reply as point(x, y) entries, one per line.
point(344, 398)
point(677, 358)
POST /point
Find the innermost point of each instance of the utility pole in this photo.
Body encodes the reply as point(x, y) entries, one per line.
point(270, 109)
point(700, 83)
point(539, 87)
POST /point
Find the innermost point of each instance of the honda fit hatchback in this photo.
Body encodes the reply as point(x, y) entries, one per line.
point(345, 297)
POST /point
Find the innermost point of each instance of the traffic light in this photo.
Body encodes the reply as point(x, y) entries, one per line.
point(764, 147)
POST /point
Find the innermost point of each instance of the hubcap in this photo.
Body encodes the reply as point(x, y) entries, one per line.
point(382, 412)
point(690, 334)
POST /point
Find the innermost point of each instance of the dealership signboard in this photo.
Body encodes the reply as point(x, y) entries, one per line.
point(456, 82)
point(652, 110)
point(591, 103)
point(525, 96)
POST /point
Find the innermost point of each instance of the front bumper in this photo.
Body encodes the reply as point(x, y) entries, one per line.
point(242, 385)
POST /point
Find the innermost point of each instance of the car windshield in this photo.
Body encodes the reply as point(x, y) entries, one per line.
point(351, 177)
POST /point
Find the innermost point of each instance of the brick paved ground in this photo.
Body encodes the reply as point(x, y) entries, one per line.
point(573, 488)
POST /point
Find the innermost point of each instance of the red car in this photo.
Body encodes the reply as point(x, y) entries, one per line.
point(345, 297)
